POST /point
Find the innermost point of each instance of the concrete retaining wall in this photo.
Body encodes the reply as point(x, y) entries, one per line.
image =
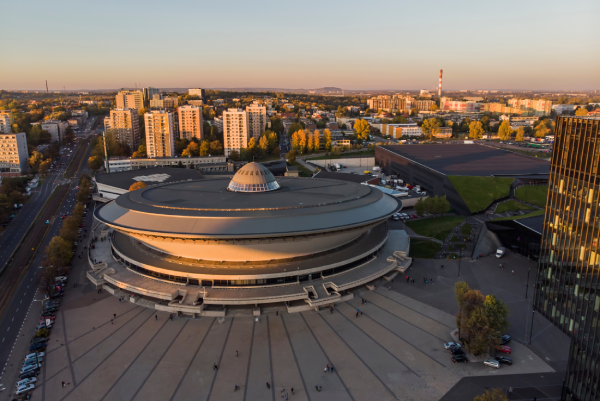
point(347, 161)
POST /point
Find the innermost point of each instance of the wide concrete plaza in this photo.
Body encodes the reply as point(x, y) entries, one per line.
point(393, 351)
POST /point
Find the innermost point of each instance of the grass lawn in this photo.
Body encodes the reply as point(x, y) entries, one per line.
point(524, 216)
point(539, 155)
point(439, 227)
point(535, 195)
point(424, 249)
point(466, 229)
point(511, 205)
point(345, 154)
point(303, 171)
point(479, 192)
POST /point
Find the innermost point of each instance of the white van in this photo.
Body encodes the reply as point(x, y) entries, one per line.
point(500, 252)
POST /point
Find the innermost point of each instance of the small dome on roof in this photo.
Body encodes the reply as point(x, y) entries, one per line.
point(253, 177)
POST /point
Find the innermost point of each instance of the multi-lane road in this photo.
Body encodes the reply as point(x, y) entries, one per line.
point(16, 312)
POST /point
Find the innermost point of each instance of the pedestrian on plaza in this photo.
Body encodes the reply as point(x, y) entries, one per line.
point(236, 354)
point(156, 316)
point(268, 385)
point(277, 313)
point(292, 390)
point(282, 389)
point(407, 279)
point(357, 314)
point(63, 384)
point(318, 387)
point(215, 367)
point(442, 266)
point(112, 321)
point(513, 272)
point(361, 313)
point(115, 315)
point(171, 316)
point(286, 396)
point(235, 388)
point(432, 281)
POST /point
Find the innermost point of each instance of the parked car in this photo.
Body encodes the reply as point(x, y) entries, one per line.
point(503, 348)
point(505, 339)
point(33, 354)
point(504, 359)
point(28, 368)
point(396, 216)
point(31, 373)
point(24, 389)
point(460, 358)
point(34, 361)
point(34, 347)
point(61, 278)
point(492, 363)
point(500, 252)
point(457, 351)
point(26, 381)
point(451, 344)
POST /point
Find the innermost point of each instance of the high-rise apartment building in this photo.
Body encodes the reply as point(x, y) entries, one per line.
point(235, 130)
point(149, 93)
point(160, 135)
point(190, 122)
point(130, 100)
point(125, 124)
point(538, 106)
point(6, 121)
point(197, 92)
point(568, 280)
point(14, 155)
point(257, 119)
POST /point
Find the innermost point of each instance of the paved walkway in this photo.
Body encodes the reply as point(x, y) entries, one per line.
point(392, 352)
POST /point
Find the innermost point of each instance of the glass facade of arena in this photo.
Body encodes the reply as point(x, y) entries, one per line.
point(567, 288)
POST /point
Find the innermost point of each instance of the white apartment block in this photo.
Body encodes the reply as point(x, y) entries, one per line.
point(235, 130)
point(160, 134)
point(126, 126)
point(219, 123)
point(6, 121)
point(56, 128)
point(190, 122)
point(197, 92)
point(257, 119)
point(130, 100)
point(14, 156)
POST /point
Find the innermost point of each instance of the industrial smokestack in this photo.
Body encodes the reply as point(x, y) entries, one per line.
point(440, 87)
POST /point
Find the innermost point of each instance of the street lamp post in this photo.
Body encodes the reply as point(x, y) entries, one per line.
point(527, 286)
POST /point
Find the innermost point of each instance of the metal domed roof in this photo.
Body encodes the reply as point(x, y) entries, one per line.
point(253, 177)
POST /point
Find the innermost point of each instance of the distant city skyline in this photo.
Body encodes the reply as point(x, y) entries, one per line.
point(533, 45)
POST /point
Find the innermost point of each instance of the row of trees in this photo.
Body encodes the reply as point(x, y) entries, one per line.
point(481, 321)
point(267, 144)
point(202, 148)
point(309, 142)
point(59, 251)
point(432, 205)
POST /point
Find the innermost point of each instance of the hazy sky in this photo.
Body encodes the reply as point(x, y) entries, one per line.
point(524, 44)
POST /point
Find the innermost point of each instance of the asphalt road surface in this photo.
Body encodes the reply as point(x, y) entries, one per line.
point(14, 315)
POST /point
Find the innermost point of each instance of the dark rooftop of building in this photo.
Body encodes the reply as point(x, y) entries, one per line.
point(151, 176)
point(356, 178)
point(472, 160)
point(535, 223)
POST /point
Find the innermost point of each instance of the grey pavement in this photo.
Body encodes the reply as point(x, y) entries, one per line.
point(392, 352)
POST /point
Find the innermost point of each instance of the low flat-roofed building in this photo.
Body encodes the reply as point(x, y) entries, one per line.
point(210, 163)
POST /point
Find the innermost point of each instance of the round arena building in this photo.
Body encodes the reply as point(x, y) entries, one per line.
point(198, 246)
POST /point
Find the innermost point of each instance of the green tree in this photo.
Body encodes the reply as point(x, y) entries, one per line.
point(520, 135)
point(327, 139)
point(434, 107)
point(291, 156)
point(58, 252)
point(504, 130)
point(317, 140)
point(494, 394)
point(476, 130)
point(35, 159)
point(216, 149)
point(497, 312)
point(431, 127)
point(543, 128)
point(234, 155)
point(44, 166)
point(95, 163)
point(582, 111)
point(420, 207)
point(362, 129)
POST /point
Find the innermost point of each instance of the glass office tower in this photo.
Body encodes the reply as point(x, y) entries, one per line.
point(567, 288)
